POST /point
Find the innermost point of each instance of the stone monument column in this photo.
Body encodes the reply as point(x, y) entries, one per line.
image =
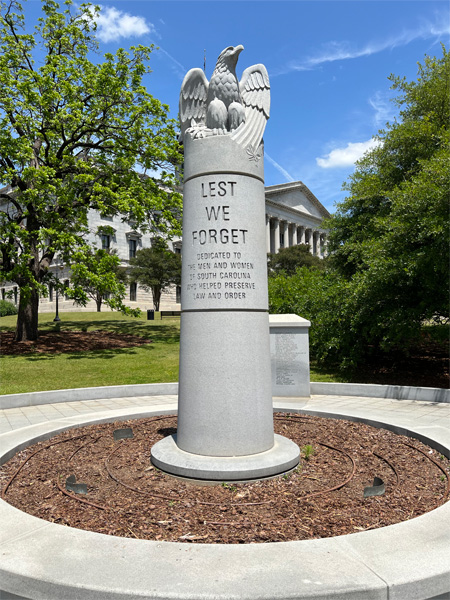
point(225, 421)
point(225, 381)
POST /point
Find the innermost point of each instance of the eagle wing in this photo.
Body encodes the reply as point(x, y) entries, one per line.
point(255, 96)
point(194, 91)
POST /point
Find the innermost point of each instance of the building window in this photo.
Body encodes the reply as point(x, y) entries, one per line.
point(50, 292)
point(132, 245)
point(178, 294)
point(66, 286)
point(133, 292)
point(15, 295)
point(281, 240)
point(106, 241)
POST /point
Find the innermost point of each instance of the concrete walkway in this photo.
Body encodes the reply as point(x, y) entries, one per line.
point(402, 412)
point(16, 418)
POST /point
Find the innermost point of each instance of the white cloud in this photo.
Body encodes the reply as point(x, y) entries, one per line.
point(113, 24)
point(344, 50)
point(279, 168)
point(384, 109)
point(345, 157)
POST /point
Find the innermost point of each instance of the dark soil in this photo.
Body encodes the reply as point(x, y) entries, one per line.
point(426, 365)
point(56, 342)
point(324, 497)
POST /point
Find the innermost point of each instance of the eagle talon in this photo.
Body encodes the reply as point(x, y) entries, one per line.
point(197, 131)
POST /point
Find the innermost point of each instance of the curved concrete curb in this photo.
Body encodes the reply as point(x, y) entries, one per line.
point(45, 561)
point(371, 390)
point(157, 389)
point(90, 393)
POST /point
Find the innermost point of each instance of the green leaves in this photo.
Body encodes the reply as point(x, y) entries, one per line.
point(288, 260)
point(392, 232)
point(97, 274)
point(388, 270)
point(156, 269)
point(76, 134)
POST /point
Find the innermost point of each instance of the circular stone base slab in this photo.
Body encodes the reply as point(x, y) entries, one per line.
point(282, 457)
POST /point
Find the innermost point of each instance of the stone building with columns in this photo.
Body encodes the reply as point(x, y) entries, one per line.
point(293, 216)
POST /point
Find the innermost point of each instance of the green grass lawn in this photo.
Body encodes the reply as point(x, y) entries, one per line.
point(156, 362)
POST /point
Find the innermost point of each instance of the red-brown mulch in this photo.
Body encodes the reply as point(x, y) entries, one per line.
point(56, 342)
point(128, 497)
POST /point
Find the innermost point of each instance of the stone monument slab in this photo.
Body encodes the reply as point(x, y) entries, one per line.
point(289, 353)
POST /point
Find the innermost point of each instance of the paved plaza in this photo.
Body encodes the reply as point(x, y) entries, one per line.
point(401, 412)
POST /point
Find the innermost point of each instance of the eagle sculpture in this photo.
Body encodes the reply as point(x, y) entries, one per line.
point(224, 106)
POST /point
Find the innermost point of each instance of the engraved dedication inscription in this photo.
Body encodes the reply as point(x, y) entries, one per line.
point(222, 264)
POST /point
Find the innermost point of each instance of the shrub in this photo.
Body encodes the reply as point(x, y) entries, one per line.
point(7, 308)
point(325, 299)
point(350, 321)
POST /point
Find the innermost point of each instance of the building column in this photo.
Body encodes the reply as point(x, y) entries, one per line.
point(267, 233)
point(284, 233)
point(276, 235)
point(289, 234)
point(302, 235)
point(315, 237)
point(308, 236)
point(294, 234)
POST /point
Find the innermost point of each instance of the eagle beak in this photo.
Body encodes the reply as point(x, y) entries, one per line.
point(238, 50)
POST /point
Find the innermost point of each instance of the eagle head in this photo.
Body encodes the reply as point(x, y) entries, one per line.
point(229, 56)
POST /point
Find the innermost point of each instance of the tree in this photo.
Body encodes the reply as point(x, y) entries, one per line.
point(74, 135)
point(390, 237)
point(156, 269)
point(288, 260)
point(387, 272)
point(324, 298)
point(99, 274)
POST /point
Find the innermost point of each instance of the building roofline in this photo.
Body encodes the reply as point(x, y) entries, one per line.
point(272, 190)
point(294, 211)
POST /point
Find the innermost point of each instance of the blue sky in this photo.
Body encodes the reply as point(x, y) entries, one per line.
point(328, 63)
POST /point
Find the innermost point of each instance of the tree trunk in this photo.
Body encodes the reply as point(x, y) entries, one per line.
point(99, 304)
point(156, 292)
point(27, 318)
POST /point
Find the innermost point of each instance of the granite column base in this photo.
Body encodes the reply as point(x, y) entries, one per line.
point(282, 457)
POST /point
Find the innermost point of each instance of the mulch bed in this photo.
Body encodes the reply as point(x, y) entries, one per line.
point(128, 497)
point(54, 342)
